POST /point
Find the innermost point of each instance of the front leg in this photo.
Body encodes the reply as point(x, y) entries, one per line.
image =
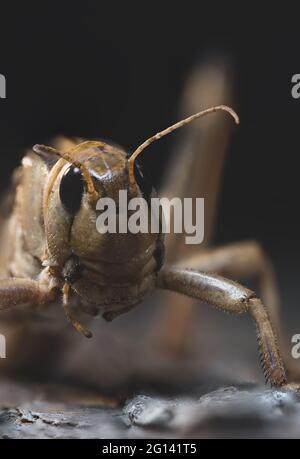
point(17, 291)
point(241, 260)
point(231, 297)
point(32, 347)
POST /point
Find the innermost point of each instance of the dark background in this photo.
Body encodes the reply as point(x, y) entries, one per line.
point(116, 69)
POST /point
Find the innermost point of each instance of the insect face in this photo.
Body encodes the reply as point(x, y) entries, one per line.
point(109, 270)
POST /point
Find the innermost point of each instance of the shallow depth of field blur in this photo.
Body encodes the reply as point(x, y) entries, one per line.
point(117, 71)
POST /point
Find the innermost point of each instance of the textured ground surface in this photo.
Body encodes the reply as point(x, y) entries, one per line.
point(214, 391)
point(227, 412)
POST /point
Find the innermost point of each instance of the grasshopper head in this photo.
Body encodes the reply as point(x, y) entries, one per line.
point(112, 270)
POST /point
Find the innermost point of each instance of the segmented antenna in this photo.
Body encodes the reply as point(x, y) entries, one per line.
point(43, 149)
point(179, 124)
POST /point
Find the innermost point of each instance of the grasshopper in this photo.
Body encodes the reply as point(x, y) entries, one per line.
point(54, 254)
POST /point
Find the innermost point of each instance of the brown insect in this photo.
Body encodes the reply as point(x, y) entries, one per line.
point(53, 247)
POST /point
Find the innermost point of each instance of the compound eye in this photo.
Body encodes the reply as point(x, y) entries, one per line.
point(71, 189)
point(143, 181)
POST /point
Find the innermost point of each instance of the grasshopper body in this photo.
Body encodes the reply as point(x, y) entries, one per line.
point(52, 246)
